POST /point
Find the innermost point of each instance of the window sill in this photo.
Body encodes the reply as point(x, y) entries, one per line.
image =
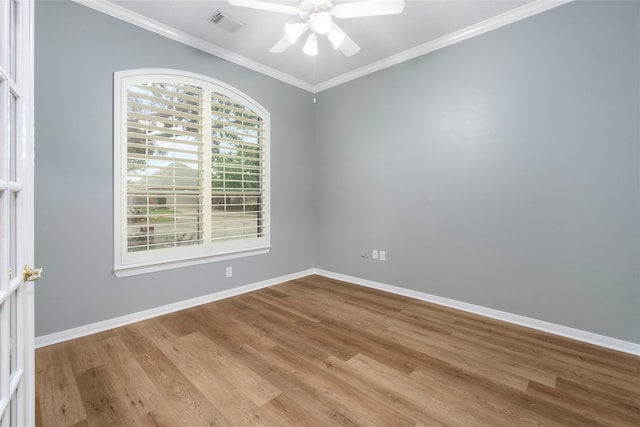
point(134, 270)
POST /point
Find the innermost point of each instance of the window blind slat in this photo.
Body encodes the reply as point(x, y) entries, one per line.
point(141, 190)
point(151, 129)
point(150, 137)
point(243, 128)
point(220, 102)
point(193, 104)
point(141, 117)
point(226, 115)
point(134, 151)
point(139, 106)
point(186, 92)
point(177, 171)
point(252, 169)
point(232, 139)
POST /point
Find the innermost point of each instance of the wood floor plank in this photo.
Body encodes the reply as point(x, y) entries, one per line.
point(298, 392)
point(57, 394)
point(101, 402)
point(281, 303)
point(134, 340)
point(222, 363)
point(192, 407)
point(205, 373)
point(587, 408)
point(440, 319)
point(345, 399)
point(181, 323)
point(599, 396)
point(517, 407)
point(420, 405)
point(83, 353)
point(499, 360)
point(134, 387)
point(223, 324)
point(288, 412)
point(316, 345)
point(320, 352)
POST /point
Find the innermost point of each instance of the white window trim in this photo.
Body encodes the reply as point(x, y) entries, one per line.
point(126, 264)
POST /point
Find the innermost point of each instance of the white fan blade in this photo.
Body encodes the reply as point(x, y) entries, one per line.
point(271, 7)
point(281, 46)
point(348, 46)
point(294, 31)
point(368, 8)
point(336, 36)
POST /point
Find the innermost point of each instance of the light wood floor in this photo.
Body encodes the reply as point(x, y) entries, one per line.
point(317, 352)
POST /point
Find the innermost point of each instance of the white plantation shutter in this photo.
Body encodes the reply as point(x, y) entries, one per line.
point(164, 166)
point(238, 173)
point(191, 172)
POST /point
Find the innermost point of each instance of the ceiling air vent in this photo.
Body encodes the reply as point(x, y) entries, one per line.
point(224, 21)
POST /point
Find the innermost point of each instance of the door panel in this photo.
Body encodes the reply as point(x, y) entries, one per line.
point(16, 213)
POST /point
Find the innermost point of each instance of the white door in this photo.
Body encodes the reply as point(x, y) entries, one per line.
point(16, 214)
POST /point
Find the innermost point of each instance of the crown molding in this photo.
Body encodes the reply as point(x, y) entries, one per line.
point(490, 24)
point(142, 21)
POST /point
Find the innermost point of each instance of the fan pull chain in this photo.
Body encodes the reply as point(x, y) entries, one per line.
point(314, 78)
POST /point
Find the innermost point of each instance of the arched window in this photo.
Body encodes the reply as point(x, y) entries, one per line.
point(191, 159)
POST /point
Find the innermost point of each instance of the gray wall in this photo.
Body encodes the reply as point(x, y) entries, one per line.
point(502, 171)
point(77, 51)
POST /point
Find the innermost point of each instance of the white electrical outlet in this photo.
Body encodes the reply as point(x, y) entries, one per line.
point(383, 256)
point(229, 272)
point(374, 254)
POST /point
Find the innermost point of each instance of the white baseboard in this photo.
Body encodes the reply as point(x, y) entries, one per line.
point(576, 334)
point(564, 331)
point(92, 328)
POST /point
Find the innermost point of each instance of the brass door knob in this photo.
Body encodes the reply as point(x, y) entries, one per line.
point(31, 275)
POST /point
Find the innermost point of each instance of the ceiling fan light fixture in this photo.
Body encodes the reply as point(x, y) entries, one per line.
point(321, 22)
point(336, 36)
point(294, 31)
point(318, 19)
point(311, 46)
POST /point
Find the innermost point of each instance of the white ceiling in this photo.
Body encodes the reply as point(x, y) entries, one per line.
point(424, 25)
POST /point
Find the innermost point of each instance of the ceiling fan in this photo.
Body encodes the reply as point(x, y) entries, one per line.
point(318, 18)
